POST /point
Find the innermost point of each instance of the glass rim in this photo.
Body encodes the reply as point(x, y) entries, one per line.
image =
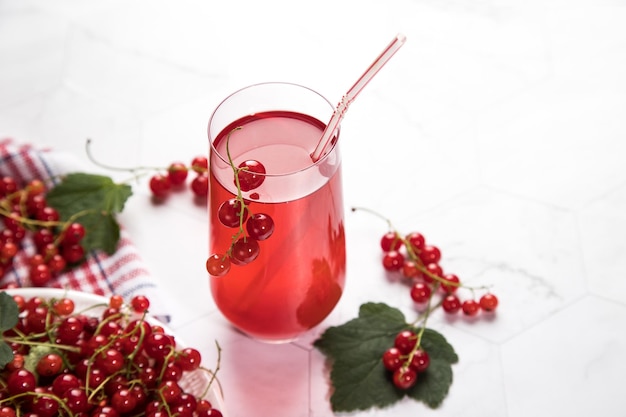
point(224, 158)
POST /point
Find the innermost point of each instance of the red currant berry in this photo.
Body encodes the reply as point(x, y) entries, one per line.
point(158, 345)
point(392, 359)
point(260, 226)
point(56, 263)
point(405, 341)
point(453, 281)
point(65, 382)
point(177, 173)
point(35, 187)
point(73, 253)
point(74, 233)
point(430, 254)
point(116, 301)
point(200, 185)
point(410, 270)
point(20, 381)
point(69, 330)
point(188, 402)
point(200, 164)
point(104, 411)
point(16, 363)
point(43, 406)
point(47, 214)
point(420, 292)
point(250, 174)
point(40, 275)
point(404, 378)
point(34, 303)
point(139, 393)
point(451, 304)
point(170, 391)
point(393, 260)
point(110, 361)
point(488, 302)
point(50, 365)
point(49, 250)
point(189, 359)
point(36, 259)
point(64, 306)
point(140, 303)
point(470, 307)
point(203, 406)
point(244, 251)
point(432, 269)
point(43, 237)
point(7, 186)
point(420, 360)
point(12, 221)
point(76, 400)
point(35, 203)
point(7, 411)
point(390, 241)
point(171, 372)
point(123, 401)
point(218, 265)
point(416, 240)
point(231, 213)
point(8, 250)
point(160, 185)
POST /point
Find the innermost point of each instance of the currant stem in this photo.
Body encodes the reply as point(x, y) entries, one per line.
point(414, 256)
point(31, 222)
point(115, 168)
point(242, 204)
point(214, 372)
point(61, 403)
point(375, 213)
point(45, 344)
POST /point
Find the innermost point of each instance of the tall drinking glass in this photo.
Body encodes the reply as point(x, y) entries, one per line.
point(277, 259)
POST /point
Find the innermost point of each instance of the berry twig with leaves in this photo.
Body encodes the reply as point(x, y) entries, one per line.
point(380, 357)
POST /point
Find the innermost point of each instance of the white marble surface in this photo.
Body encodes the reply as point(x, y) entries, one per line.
point(498, 130)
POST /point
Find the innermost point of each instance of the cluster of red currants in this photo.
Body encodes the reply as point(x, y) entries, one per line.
point(25, 211)
point(419, 262)
point(161, 184)
point(67, 363)
point(406, 359)
point(235, 213)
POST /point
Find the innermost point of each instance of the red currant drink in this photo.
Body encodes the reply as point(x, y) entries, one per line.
point(277, 252)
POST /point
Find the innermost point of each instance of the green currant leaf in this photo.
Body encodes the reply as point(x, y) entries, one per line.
point(358, 376)
point(438, 347)
point(95, 200)
point(375, 324)
point(432, 385)
point(101, 232)
point(355, 349)
point(8, 312)
point(6, 354)
point(80, 191)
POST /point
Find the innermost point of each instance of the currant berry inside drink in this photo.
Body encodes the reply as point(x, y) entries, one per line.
point(276, 225)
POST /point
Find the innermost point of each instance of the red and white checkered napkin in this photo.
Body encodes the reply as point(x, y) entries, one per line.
point(122, 273)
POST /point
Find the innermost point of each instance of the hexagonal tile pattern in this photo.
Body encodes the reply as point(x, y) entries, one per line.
point(579, 344)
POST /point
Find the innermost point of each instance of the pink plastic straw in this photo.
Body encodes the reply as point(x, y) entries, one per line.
point(342, 107)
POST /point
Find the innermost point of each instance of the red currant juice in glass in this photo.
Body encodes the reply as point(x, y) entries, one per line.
point(299, 274)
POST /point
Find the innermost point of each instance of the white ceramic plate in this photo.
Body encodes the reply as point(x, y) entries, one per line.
point(194, 382)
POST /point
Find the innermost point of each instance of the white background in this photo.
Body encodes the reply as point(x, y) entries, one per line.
point(498, 131)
